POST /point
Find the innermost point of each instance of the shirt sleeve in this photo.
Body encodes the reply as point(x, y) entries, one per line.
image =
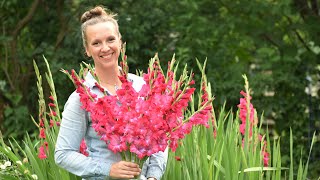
point(72, 130)
point(157, 164)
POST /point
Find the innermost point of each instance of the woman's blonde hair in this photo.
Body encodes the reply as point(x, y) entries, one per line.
point(96, 15)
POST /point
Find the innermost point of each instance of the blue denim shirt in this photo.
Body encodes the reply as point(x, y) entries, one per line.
point(76, 125)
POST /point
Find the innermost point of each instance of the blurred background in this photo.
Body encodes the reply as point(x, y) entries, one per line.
point(275, 43)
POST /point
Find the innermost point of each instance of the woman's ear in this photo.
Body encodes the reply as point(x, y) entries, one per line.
point(88, 53)
point(85, 54)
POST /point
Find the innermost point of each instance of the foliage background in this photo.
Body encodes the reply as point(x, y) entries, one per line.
point(276, 43)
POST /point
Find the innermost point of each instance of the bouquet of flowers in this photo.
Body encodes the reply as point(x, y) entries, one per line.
point(139, 124)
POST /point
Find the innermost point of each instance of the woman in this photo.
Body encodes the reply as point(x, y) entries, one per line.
point(102, 41)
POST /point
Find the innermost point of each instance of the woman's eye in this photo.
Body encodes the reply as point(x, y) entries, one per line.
point(95, 43)
point(111, 39)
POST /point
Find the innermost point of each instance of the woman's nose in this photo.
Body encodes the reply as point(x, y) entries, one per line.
point(105, 47)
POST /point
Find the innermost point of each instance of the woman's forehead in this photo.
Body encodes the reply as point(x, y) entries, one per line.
point(101, 26)
point(101, 29)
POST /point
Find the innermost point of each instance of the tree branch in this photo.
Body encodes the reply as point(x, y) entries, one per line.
point(269, 39)
point(298, 35)
point(26, 19)
point(314, 7)
point(63, 24)
point(13, 44)
point(302, 7)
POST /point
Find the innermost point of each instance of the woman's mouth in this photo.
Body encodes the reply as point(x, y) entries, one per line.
point(106, 56)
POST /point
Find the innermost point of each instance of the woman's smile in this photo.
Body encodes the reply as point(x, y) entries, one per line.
point(106, 56)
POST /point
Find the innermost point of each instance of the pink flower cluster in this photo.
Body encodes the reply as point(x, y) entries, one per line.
point(44, 148)
point(243, 114)
point(252, 122)
point(83, 148)
point(144, 122)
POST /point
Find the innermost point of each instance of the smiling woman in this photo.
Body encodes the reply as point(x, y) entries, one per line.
point(103, 45)
point(102, 42)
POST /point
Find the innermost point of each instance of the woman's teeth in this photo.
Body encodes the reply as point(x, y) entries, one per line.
point(106, 56)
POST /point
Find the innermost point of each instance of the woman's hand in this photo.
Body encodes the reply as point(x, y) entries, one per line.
point(124, 169)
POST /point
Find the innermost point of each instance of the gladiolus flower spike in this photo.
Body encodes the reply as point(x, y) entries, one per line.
point(243, 115)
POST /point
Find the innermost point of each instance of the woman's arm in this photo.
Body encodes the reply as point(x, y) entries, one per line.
point(157, 165)
point(72, 130)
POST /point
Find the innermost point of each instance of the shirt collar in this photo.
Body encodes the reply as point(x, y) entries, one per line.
point(90, 81)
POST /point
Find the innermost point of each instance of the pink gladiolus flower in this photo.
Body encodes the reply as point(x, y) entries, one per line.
point(52, 105)
point(192, 82)
point(41, 124)
point(42, 153)
point(57, 123)
point(51, 123)
point(42, 134)
point(53, 113)
point(215, 133)
point(243, 113)
point(100, 87)
point(265, 158)
point(46, 145)
point(51, 97)
point(116, 144)
point(177, 158)
point(83, 148)
point(242, 128)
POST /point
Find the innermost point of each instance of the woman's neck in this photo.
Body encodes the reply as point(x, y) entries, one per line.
point(109, 77)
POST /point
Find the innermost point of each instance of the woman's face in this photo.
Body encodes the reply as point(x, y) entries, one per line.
point(103, 44)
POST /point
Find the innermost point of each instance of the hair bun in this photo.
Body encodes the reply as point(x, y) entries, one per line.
point(92, 13)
